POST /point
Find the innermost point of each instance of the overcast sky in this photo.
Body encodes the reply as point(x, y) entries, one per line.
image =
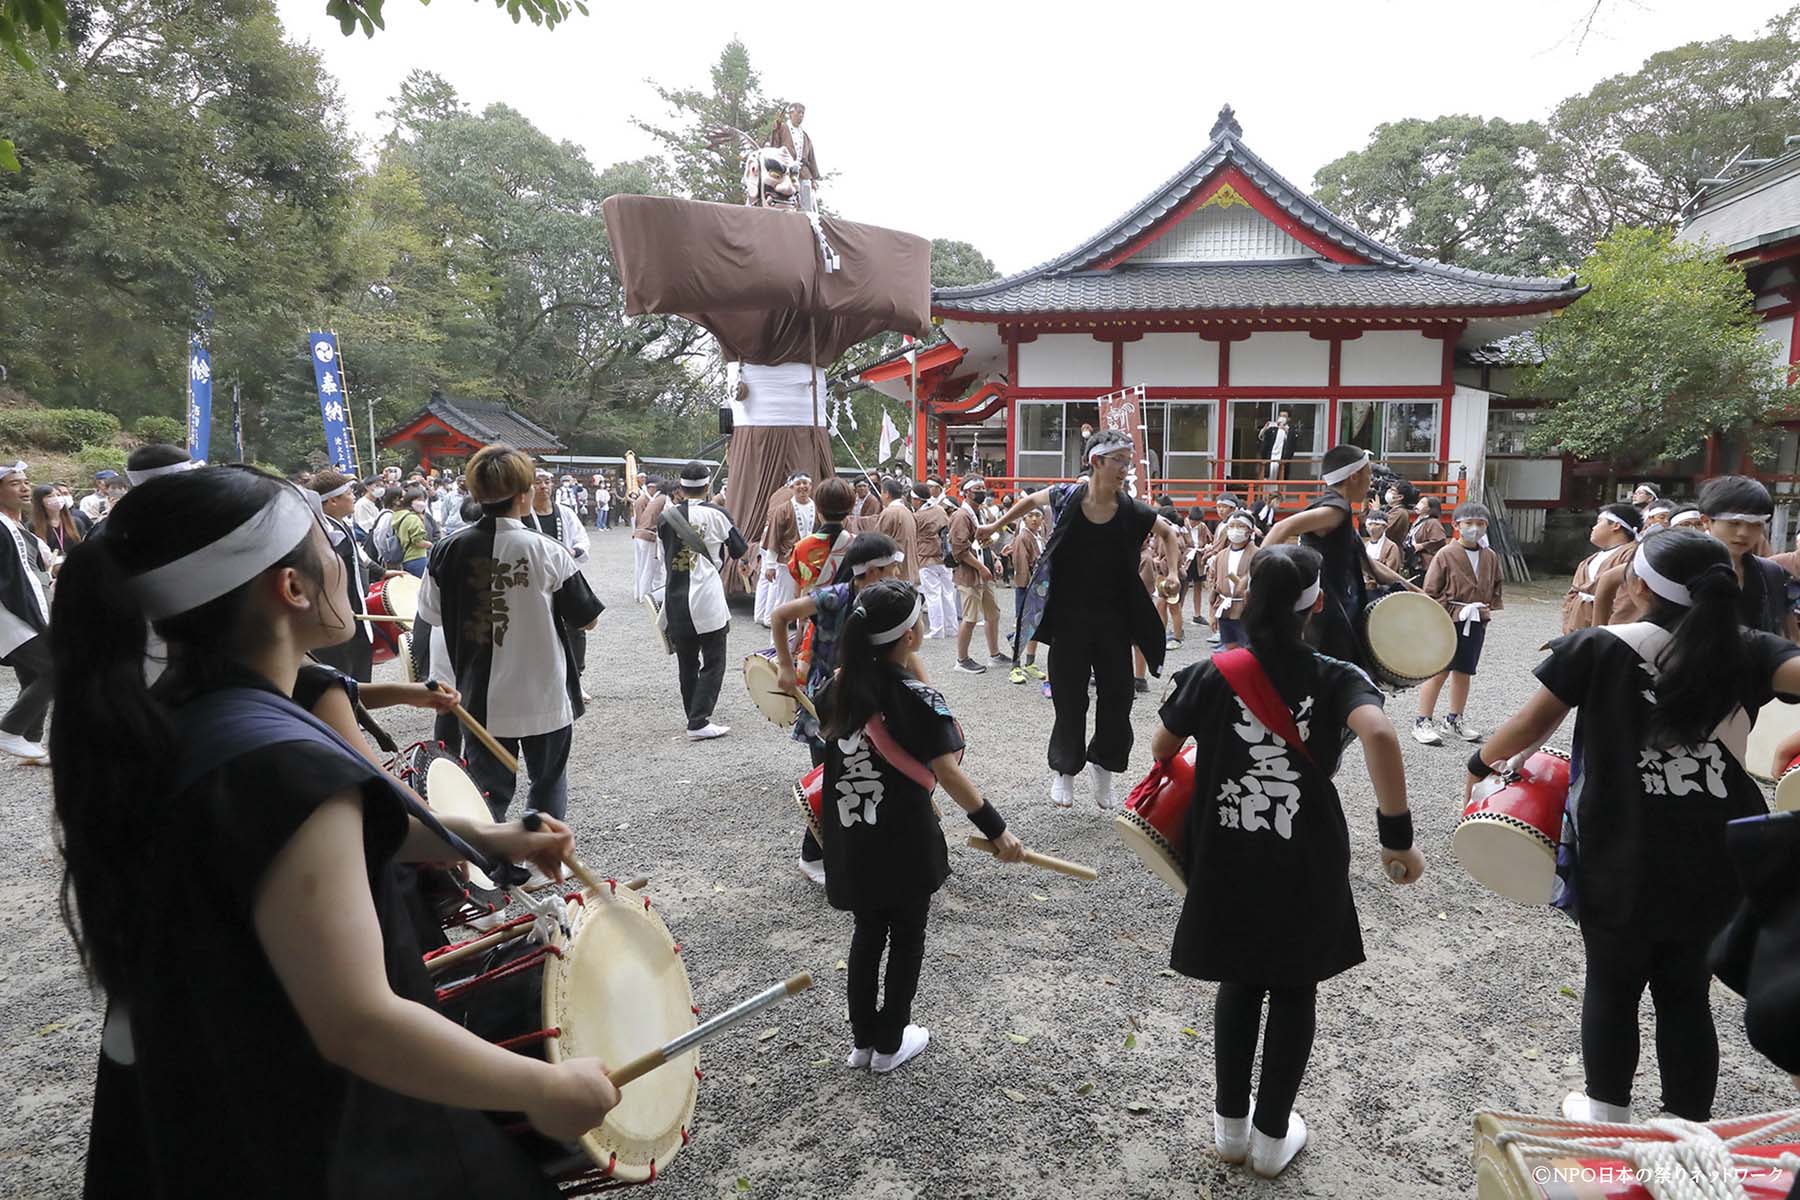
point(1024, 128)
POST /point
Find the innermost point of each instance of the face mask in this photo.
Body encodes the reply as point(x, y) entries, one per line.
point(56, 503)
point(1377, 532)
point(1471, 533)
point(1237, 535)
point(418, 506)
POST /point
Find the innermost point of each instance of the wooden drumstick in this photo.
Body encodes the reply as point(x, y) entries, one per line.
point(576, 867)
point(480, 731)
point(645, 1063)
point(1061, 866)
point(379, 617)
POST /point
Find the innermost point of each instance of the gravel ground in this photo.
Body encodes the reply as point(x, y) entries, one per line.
point(1467, 1001)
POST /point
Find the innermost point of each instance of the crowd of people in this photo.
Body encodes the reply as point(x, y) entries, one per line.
point(209, 625)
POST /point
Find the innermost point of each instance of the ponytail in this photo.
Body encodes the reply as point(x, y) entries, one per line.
point(855, 695)
point(1278, 577)
point(1698, 676)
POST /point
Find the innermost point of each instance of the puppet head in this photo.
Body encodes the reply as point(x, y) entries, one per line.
point(771, 179)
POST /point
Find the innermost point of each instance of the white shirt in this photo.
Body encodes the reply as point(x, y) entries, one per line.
point(705, 590)
point(525, 695)
point(365, 513)
point(15, 631)
point(92, 506)
point(799, 138)
point(803, 516)
point(1474, 560)
point(1281, 436)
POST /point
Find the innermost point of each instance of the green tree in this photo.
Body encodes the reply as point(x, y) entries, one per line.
point(1662, 352)
point(1633, 149)
point(736, 101)
point(1458, 189)
point(185, 162)
point(958, 264)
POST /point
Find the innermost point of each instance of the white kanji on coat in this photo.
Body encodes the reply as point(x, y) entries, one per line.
point(1267, 796)
point(859, 787)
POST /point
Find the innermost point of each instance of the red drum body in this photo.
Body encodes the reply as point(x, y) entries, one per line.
point(809, 794)
point(396, 596)
point(1154, 823)
point(1510, 830)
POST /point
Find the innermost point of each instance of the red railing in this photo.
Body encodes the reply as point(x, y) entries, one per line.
point(1290, 495)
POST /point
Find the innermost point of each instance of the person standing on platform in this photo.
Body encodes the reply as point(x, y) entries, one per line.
point(1326, 526)
point(792, 515)
point(646, 508)
point(896, 521)
point(504, 598)
point(1085, 602)
point(975, 588)
point(696, 538)
point(932, 525)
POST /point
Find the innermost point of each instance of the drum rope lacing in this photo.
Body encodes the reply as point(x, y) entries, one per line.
point(549, 915)
point(1695, 1163)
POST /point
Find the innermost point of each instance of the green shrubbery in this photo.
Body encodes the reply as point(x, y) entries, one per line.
point(59, 429)
point(166, 430)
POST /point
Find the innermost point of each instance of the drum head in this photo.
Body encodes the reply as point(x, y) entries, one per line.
point(399, 596)
point(1787, 791)
point(1150, 846)
point(620, 989)
point(760, 674)
point(1774, 722)
point(1506, 856)
point(1410, 637)
point(451, 793)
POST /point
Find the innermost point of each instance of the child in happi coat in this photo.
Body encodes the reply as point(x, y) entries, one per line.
point(1381, 549)
point(1426, 534)
point(889, 737)
point(1199, 538)
point(1024, 551)
point(1465, 578)
point(1269, 913)
point(1229, 577)
point(1614, 537)
point(1662, 711)
point(870, 558)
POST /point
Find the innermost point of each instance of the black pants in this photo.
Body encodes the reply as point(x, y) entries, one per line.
point(1103, 648)
point(546, 761)
point(1287, 1044)
point(37, 683)
point(901, 929)
point(700, 662)
point(1619, 966)
point(578, 643)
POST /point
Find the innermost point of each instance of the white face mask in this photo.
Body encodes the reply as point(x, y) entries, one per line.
point(56, 504)
point(1237, 535)
point(418, 506)
point(1472, 532)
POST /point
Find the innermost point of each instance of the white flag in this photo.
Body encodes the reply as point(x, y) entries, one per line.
point(889, 435)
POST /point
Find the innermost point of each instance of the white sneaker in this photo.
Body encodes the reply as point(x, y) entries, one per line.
point(859, 1057)
point(1231, 1138)
point(912, 1043)
point(814, 871)
point(1062, 790)
point(708, 731)
point(1103, 787)
point(1455, 726)
point(1425, 732)
point(22, 746)
point(1269, 1156)
point(1578, 1106)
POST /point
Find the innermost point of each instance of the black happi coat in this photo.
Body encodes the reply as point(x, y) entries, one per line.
point(1335, 629)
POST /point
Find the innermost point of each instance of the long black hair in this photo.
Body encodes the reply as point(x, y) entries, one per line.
point(1278, 575)
point(855, 694)
point(864, 547)
point(111, 738)
point(1698, 676)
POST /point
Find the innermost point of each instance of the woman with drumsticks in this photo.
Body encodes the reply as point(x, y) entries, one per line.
point(1662, 708)
point(270, 1025)
point(871, 557)
point(889, 737)
point(1268, 910)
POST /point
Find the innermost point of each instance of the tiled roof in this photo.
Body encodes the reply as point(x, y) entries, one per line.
point(1756, 207)
point(1066, 283)
point(488, 421)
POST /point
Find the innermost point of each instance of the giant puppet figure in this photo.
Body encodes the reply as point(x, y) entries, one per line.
point(784, 291)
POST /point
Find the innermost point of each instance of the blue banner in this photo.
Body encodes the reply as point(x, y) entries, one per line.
point(199, 425)
point(333, 399)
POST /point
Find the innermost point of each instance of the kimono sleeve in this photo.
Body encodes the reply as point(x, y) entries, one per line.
point(1350, 688)
point(1767, 652)
point(575, 604)
point(1569, 671)
point(923, 723)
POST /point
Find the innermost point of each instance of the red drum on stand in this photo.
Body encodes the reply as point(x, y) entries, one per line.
point(394, 596)
point(1509, 832)
point(809, 794)
point(1154, 823)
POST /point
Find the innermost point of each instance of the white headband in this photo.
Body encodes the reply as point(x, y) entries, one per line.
point(1691, 517)
point(333, 494)
point(1345, 472)
point(695, 481)
point(234, 560)
point(1108, 442)
point(1243, 518)
point(137, 478)
point(1616, 519)
point(18, 468)
point(1309, 597)
point(899, 631)
point(1753, 518)
point(1661, 584)
point(894, 559)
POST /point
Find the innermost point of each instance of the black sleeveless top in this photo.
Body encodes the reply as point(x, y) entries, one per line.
point(1334, 628)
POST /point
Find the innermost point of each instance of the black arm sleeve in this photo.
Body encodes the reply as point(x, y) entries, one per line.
point(575, 603)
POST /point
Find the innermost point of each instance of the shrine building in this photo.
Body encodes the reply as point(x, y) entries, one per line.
point(1228, 294)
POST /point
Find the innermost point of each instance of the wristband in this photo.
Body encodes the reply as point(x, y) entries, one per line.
point(987, 818)
point(1395, 832)
point(1478, 766)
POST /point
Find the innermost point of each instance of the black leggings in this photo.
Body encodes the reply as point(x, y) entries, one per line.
point(1619, 966)
point(1287, 1044)
point(901, 929)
